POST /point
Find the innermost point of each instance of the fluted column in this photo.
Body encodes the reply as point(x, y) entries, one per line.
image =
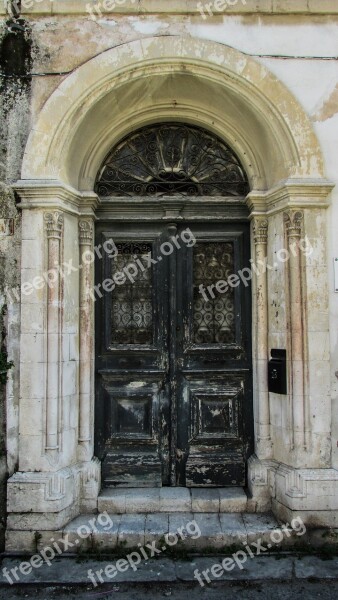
point(85, 333)
point(54, 230)
point(293, 225)
point(263, 436)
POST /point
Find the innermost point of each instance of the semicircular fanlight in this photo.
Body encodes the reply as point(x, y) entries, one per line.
point(172, 159)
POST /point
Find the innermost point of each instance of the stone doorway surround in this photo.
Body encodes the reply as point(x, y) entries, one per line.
point(214, 86)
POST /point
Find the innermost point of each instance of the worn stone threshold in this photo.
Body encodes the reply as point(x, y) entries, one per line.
point(174, 499)
point(192, 531)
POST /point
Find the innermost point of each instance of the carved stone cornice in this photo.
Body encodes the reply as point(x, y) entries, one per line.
point(54, 224)
point(291, 194)
point(55, 195)
point(260, 230)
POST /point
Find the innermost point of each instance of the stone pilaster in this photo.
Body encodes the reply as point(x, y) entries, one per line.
point(293, 220)
point(54, 229)
point(263, 437)
point(86, 338)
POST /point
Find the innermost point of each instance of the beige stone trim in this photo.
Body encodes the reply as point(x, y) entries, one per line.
point(72, 134)
point(54, 231)
point(55, 195)
point(33, 493)
point(77, 7)
point(86, 231)
point(263, 438)
point(293, 220)
point(292, 193)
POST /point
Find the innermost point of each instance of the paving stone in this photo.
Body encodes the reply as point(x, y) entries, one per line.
point(232, 500)
point(45, 539)
point(311, 566)
point(235, 567)
point(128, 570)
point(178, 523)
point(175, 499)
point(211, 531)
point(105, 537)
point(233, 528)
point(204, 500)
point(261, 526)
point(79, 532)
point(112, 500)
point(71, 572)
point(131, 530)
point(156, 526)
point(146, 500)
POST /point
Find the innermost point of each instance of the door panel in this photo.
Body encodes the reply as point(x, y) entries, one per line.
point(132, 401)
point(174, 399)
point(214, 360)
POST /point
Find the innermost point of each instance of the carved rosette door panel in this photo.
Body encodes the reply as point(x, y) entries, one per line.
point(174, 398)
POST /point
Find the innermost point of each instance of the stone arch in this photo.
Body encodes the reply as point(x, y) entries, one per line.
point(172, 78)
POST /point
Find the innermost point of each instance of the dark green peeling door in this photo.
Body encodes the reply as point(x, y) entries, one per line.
point(173, 355)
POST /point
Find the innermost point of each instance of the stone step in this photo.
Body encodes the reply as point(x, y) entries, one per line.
point(170, 531)
point(173, 499)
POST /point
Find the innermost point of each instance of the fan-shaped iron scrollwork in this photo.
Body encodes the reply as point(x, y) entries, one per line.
point(172, 159)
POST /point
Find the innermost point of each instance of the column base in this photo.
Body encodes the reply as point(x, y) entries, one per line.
point(311, 494)
point(48, 501)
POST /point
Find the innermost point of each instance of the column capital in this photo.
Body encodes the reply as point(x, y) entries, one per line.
point(293, 220)
point(86, 231)
point(54, 224)
point(260, 230)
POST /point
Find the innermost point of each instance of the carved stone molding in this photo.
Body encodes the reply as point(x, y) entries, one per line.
point(293, 220)
point(260, 230)
point(85, 233)
point(263, 438)
point(293, 223)
point(54, 496)
point(54, 224)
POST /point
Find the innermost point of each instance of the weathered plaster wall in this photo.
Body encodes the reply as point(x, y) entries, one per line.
point(9, 341)
point(15, 51)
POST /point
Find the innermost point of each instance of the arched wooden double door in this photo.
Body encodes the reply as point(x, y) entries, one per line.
point(173, 321)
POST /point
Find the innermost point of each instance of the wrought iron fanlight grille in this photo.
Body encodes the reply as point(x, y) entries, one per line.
point(172, 159)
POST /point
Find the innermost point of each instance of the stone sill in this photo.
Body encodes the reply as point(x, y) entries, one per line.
point(174, 7)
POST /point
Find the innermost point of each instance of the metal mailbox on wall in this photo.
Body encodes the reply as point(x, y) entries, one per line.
point(277, 380)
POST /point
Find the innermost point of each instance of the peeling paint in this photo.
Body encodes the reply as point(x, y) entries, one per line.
point(329, 107)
